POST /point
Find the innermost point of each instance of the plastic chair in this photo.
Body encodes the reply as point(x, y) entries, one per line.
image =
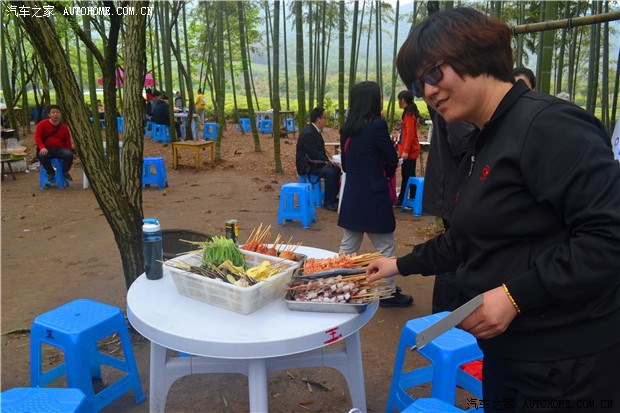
point(317, 191)
point(266, 126)
point(121, 127)
point(149, 129)
point(59, 179)
point(161, 133)
point(447, 353)
point(244, 123)
point(76, 328)
point(43, 400)
point(432, 406)
point(290, 124)
point(158, 176)
point(416, 201)
point(210, 131)
point(288, 210)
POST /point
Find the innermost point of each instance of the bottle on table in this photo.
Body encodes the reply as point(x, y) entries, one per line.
point(153, 249)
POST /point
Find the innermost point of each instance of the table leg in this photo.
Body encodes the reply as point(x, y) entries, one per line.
point(213, 152)
point(197, 149)
point(257, 383)
point(157, 388)
point(355, 377)
point(175, 154)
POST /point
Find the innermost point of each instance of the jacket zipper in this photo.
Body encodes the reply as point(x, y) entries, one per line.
point(471, 164)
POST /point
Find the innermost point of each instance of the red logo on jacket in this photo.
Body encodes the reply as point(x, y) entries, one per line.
point(485, 172)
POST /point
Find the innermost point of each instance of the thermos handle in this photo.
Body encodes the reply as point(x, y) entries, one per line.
point(150, 221)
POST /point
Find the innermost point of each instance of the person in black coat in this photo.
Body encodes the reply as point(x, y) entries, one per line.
point(311, 158)
point(441, 181)
point(369, 160)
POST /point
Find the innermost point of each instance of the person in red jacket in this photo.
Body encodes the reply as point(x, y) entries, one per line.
point(409, 145)
point(53, 140)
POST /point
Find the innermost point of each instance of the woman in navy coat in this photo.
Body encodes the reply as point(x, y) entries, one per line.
point(369, 159)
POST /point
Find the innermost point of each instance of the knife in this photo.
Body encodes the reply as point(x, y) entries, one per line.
point(451, 320)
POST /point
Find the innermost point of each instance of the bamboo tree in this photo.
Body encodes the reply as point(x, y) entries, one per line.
point(158, 25)
point(395, 51)
point(368, 38)
point(185, 74)
point(220, 83)
point(246, 74)
point(311, 57)
point(547, 48)
point(561, 53)
point(378, 45)
point(25, 115)
point(288, 102)
point(232, 72)
point(341, 33)
point(593, 61)
point(276, 86)
point(166, 34)
point(359, 37)
point(8, 88)
point(354, 54)
point(92, 83)
point(299, 40)
point(605, 118)
point(267, 35)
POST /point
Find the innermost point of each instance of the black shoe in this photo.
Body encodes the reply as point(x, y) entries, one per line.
point(50, 177)
point(331, 207)
point(398, 204)
point(399, 300)
point(67, 176)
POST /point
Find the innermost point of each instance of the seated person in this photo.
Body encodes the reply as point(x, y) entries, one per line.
point(100, 109)
point(311, 158)
point(53, 140)
point(525, 74)
point(161, 114)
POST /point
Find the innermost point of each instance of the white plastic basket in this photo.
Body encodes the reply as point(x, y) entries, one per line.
point(242, 300)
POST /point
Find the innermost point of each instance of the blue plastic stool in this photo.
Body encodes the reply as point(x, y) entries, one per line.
point(416, 201)
point(266, 126)
point(317, 190)
point(290, 124)
point(244, 124)
point(194, 130)
point(75, 328)
point(210, 131)
point(158, 176)
point(121, 126)
point(149, 129)
point(42, 400)
point(447, 353)
point(288, 209)
point(59, 179)
point(161, 133)
point(432, 406)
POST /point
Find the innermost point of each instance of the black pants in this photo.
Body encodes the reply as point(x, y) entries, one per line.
point(331, 174)
point(65, 155)
point(584, 384)
point(407, 170)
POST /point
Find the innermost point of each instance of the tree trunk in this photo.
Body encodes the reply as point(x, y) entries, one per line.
point(299, 39)
point(288, 101)
point(341, 35)
point(353, 60)
point(276, 86)
point(395, 51)
point(547, 48)
point(114, 195)
point(219, 78)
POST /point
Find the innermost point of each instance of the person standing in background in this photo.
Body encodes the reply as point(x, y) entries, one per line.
point(201, 103)
point(409, 144)
point(525, 74)
point(369, 160)
point(442, 178)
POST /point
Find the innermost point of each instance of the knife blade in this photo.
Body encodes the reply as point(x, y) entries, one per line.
point(451, 320)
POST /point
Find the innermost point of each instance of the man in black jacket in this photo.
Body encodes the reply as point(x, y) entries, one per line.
point(311, 158)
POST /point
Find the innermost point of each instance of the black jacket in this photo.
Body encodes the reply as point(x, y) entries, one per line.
point(160, 113)
point(441, 178)
point(539, 211)
point(310, 143)
point(368, 160)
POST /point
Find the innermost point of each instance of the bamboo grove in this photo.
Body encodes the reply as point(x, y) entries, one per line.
point(255, 55)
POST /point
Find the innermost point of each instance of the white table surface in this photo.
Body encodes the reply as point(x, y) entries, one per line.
point(270, 339)
point(343, 178)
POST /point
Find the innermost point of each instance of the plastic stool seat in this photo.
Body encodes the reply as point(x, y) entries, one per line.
point(75, 328)
point(121, 125)
point(244, 124)
point(149, 129)
point(317, 190)
point(266, 126)
point(210, 131)
point(288, 210)
point(161, 133)
point(416, 201)
point(431, 406)
point(290, 124)
point(59, 178)
point(158, 177)
point(447, 353)
point(44, 400)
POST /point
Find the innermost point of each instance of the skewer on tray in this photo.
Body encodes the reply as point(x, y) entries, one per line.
point(353, 289)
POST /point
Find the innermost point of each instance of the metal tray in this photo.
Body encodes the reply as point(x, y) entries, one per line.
point(324, 307)
point(331, 273)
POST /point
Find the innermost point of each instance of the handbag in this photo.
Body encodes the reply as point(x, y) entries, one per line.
point(310, 163)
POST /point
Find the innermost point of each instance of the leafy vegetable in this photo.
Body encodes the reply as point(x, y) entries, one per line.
point(221, 249)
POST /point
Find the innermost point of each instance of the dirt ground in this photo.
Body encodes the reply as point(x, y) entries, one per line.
point(57, 247)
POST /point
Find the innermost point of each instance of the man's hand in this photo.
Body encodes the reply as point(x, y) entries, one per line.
point(405, 156)
point(493, 317)
point(381, 268)
point(43, 151)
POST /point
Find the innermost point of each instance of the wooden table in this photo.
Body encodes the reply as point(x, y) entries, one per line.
point(335, 145)
point(196, 146)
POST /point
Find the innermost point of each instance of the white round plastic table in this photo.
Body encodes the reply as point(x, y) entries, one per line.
point(220, 341)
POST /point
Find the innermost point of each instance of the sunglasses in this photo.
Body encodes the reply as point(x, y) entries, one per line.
point(431, 75)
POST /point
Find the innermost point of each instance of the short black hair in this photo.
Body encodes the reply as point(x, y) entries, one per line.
point(49, 109)
point(157, 93)
point(524, 71)
point(316, 113)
